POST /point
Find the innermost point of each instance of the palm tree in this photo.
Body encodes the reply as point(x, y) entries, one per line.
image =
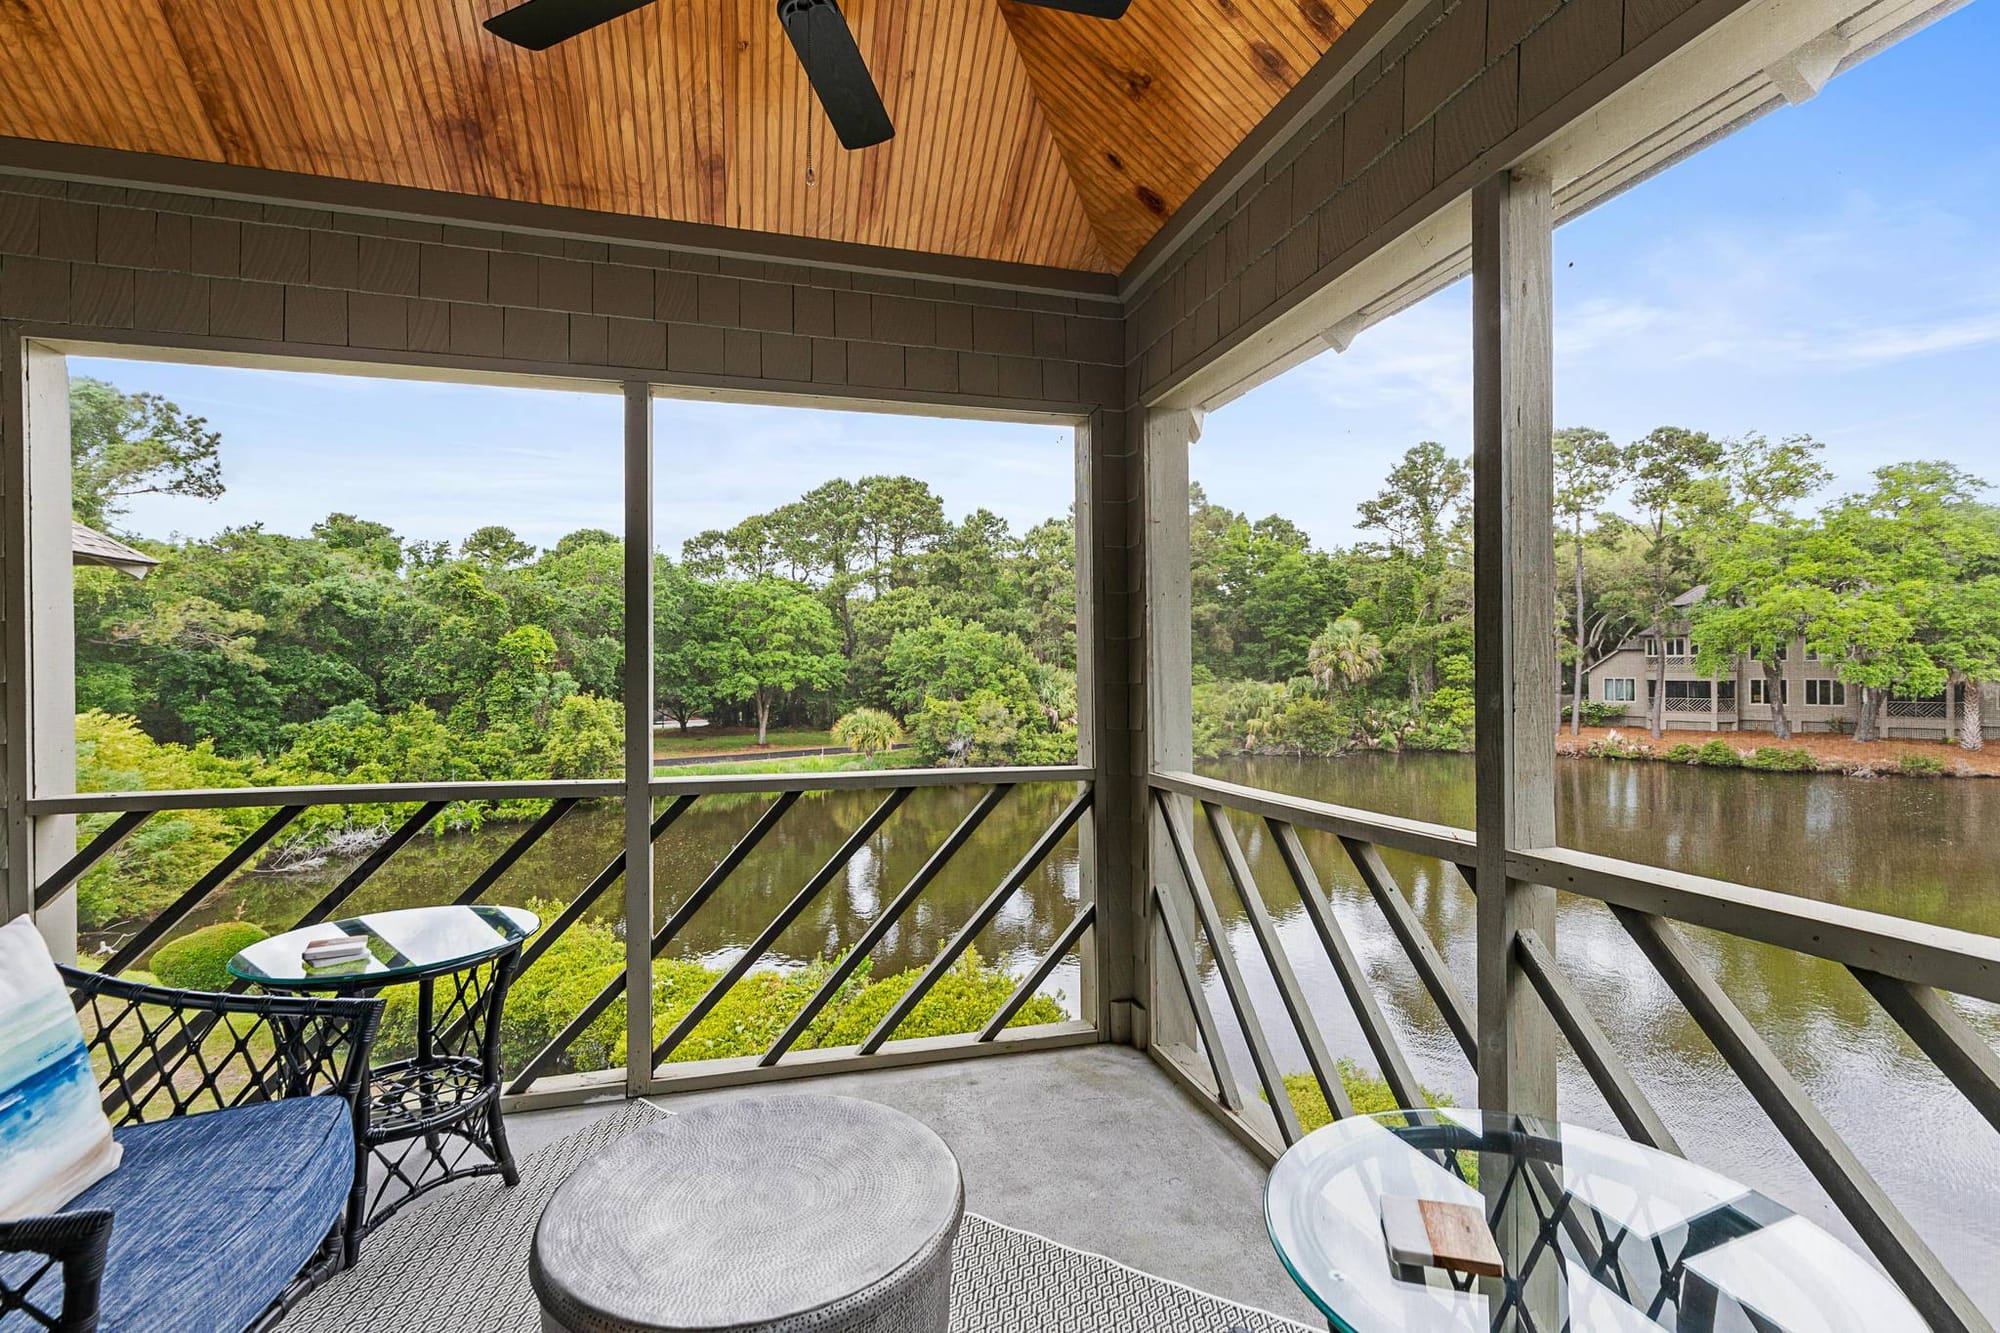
point(868, 731)
point(1343, 655)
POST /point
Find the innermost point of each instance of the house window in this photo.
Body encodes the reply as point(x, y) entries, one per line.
point(1678, 647)
point(1826, 693)
point(1620, 689)
point(1696, 690)
point(1760, 690)
point(1652, 647)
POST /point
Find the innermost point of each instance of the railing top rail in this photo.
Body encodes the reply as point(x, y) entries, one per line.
point(384, 793)
point(1410, 835)
point(357, 793)
point(871, 780)
point(1954, 960)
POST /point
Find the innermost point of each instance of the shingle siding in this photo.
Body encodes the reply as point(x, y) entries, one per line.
point(1458, 80)
point(94, 258)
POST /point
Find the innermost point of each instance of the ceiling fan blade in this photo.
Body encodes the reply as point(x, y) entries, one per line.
point(1097, 9)
point(838, 74)
point(540, 24)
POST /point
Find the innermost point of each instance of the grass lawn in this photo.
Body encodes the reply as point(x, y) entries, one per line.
point(832, 763)
point(669, 742)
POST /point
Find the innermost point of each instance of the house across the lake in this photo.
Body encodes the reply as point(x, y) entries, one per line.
point(1810, 688)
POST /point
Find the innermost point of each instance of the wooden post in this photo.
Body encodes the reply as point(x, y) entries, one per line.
point(1169, 688)
point(1513, 588)
point(40, 659)
point(1111, 835)
point(17, 890)
point(1513, 506)
point(638, 737)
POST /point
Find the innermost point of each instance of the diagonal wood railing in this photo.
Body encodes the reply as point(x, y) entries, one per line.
point(1908, 967)
point(115, 817)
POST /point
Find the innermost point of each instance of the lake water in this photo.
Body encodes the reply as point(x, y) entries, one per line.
point(1908, 847)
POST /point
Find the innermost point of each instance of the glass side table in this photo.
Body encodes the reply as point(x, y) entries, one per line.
point(1629, 1240)
point(433, 1115)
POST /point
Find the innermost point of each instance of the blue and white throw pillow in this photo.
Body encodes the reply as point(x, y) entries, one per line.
point(55, 1141)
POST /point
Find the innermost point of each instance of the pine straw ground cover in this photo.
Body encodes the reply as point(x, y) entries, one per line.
point(1832, 753)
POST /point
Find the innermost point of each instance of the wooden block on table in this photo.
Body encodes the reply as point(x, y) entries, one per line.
point(1429, 1233)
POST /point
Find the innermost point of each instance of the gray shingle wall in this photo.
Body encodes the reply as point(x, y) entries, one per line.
point(108, 262)
point(304, 280)
point(1452, 85)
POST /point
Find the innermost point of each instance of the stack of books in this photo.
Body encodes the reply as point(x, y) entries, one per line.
point(334, 950)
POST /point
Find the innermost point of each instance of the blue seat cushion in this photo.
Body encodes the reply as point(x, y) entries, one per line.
point(214, 1214)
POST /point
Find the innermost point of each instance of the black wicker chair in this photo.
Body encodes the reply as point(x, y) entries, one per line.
point(161, 1055)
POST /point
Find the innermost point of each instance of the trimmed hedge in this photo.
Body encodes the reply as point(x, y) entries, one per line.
point(199, 959)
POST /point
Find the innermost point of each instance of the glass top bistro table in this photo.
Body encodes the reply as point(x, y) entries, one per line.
point(433, 1108)
point(1628, 1239)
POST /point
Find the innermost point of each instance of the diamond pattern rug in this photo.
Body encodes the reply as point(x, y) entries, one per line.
point(460, 1265)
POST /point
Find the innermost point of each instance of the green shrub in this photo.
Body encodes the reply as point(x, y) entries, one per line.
point(1597, 714)
point(1720, 754)
point(1781, 759)
point(199, 959)
point(745, 1021)
point(1368, 1093)
point(1920, 765)
point(1687, 752)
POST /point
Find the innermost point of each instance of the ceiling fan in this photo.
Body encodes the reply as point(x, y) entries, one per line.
point(819, 34)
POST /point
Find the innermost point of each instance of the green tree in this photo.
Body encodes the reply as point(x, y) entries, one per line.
point(1420, 512)
point(692, 652)
point(899, 517)
point(128, 444)
point(496, 546)
point(586, 738)
point(1675, 486)
point(950, 659)
point(1588, 466)
point(783, 639)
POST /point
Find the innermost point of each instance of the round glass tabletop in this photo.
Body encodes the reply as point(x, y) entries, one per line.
point(1626, 1239)
point(398, 946)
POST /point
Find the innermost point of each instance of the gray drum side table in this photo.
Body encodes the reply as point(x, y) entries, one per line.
point(780, 1213)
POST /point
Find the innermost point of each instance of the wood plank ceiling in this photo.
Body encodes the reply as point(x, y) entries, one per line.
point(1026, 136)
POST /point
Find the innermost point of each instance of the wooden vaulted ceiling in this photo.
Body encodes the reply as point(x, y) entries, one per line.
point(1023, 134)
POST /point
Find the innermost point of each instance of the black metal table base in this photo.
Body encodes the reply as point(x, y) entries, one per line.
point(434, 1117)
point(426, 1131)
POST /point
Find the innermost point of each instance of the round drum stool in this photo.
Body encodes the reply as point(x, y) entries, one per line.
point(781, 1213)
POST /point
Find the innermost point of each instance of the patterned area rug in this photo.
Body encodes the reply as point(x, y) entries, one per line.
point(460, 1265)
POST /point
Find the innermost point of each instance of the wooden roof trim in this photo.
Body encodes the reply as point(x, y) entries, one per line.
point(118, 167)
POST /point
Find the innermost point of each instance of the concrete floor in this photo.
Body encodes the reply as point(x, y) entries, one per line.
point(1092, 1147)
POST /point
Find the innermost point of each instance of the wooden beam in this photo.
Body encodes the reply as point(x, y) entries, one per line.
point(638, 684)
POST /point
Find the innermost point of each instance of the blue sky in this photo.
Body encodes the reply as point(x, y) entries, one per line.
point(1833, 269)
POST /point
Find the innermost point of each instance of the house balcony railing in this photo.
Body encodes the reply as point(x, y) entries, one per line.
point(1911, 969)
point(1914, 707)
point(1701, 706)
